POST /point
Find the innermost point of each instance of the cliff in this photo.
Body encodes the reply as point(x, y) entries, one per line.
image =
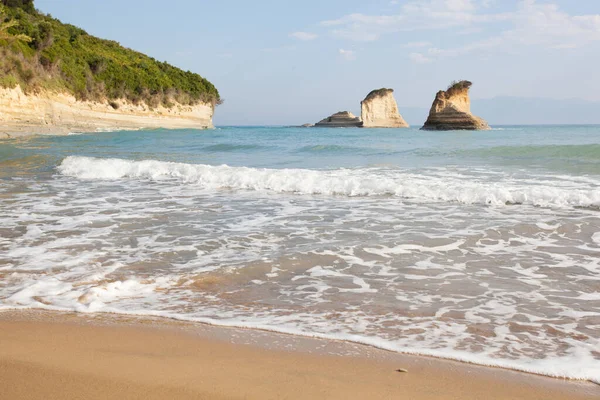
point(451, 110)
point(379, 110)
point(61, 113)
point(342, 119)
point(49, 65)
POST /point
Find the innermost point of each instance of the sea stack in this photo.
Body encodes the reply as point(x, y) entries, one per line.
point(451, 110)
point(342, 119)
point(379, 110)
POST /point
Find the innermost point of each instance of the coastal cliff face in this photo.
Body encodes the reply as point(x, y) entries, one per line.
point(342, 119)
point(56, 113)
point(451, 110)
point(379, 110)
point(97, 84)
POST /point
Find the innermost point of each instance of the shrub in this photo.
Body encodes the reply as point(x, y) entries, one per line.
point(26, 5)
point(8, 81)
point(67, 58)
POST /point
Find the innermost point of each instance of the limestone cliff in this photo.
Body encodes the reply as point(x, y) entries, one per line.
point(60, 113)
point(342, 119)
point(379, 110)
point(451, 110)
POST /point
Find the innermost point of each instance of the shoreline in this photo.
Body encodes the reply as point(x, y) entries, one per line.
point(25, 132)
point(193, 325)
point(104, 348)
point(8, 132)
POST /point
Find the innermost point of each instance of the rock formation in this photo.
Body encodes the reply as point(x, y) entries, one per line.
point(379, 110)
point(451, 110)
point(342, 119)
point(59, 113)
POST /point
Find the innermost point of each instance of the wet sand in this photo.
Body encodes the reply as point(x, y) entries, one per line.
point(46, 355)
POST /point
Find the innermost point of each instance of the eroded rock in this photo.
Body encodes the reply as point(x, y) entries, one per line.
point(379, 110)
point(342, 119)
point(451, 110)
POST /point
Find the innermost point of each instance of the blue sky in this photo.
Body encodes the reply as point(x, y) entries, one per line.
point(291, 62)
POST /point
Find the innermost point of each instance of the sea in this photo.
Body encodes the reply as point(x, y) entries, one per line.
point(482, 247)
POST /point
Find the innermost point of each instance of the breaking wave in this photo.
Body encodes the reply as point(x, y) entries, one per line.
point(437, 185)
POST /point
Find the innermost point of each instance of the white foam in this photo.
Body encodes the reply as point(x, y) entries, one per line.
point(117, 129)
point(426, 276)
point(343, 182)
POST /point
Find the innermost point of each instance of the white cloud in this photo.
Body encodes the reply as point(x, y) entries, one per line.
point(348, 55)
point(412, 45)
point(278, 49)
point(531, 23)
point(419, 58)
point(482, 46)
point(546, 25)
point(363, 28)
point(304, 35)
point(534, 24)
point(414, 15)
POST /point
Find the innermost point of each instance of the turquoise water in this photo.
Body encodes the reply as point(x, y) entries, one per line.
point(475, 246)
point(572, 149)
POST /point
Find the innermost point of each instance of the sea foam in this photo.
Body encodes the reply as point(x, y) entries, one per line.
point(433, 186)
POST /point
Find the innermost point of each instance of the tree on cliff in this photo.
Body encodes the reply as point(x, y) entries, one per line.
point(5, 26)
point(38, 52)
point(26, 5)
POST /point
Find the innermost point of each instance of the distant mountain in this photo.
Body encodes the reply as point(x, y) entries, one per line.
point(415, 116)
point(507, 110)
point(526, 111)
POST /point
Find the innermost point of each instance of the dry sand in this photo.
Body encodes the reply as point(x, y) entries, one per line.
point(46, 355)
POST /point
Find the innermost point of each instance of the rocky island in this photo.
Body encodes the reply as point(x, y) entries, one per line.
point(341, 119)
point(56, 78)
point(451, 110)
point(380, 110)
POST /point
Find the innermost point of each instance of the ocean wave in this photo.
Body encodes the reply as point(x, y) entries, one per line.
point(465, 189)
point(226, 147)
point(583, 152)
point(330, 148)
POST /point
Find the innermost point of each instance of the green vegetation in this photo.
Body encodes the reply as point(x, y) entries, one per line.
point(378, 93)
point(9, 37)
point(40, 52)
point(458, 85)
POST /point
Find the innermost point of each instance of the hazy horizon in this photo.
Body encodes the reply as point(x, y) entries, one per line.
point(287, 64)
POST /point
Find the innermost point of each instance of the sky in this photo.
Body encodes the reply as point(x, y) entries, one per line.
point(293, 62)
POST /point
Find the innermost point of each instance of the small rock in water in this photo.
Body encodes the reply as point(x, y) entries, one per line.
point(341, 119)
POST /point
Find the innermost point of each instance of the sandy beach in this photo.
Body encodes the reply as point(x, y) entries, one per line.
point(396, 200)
point(47, 355)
